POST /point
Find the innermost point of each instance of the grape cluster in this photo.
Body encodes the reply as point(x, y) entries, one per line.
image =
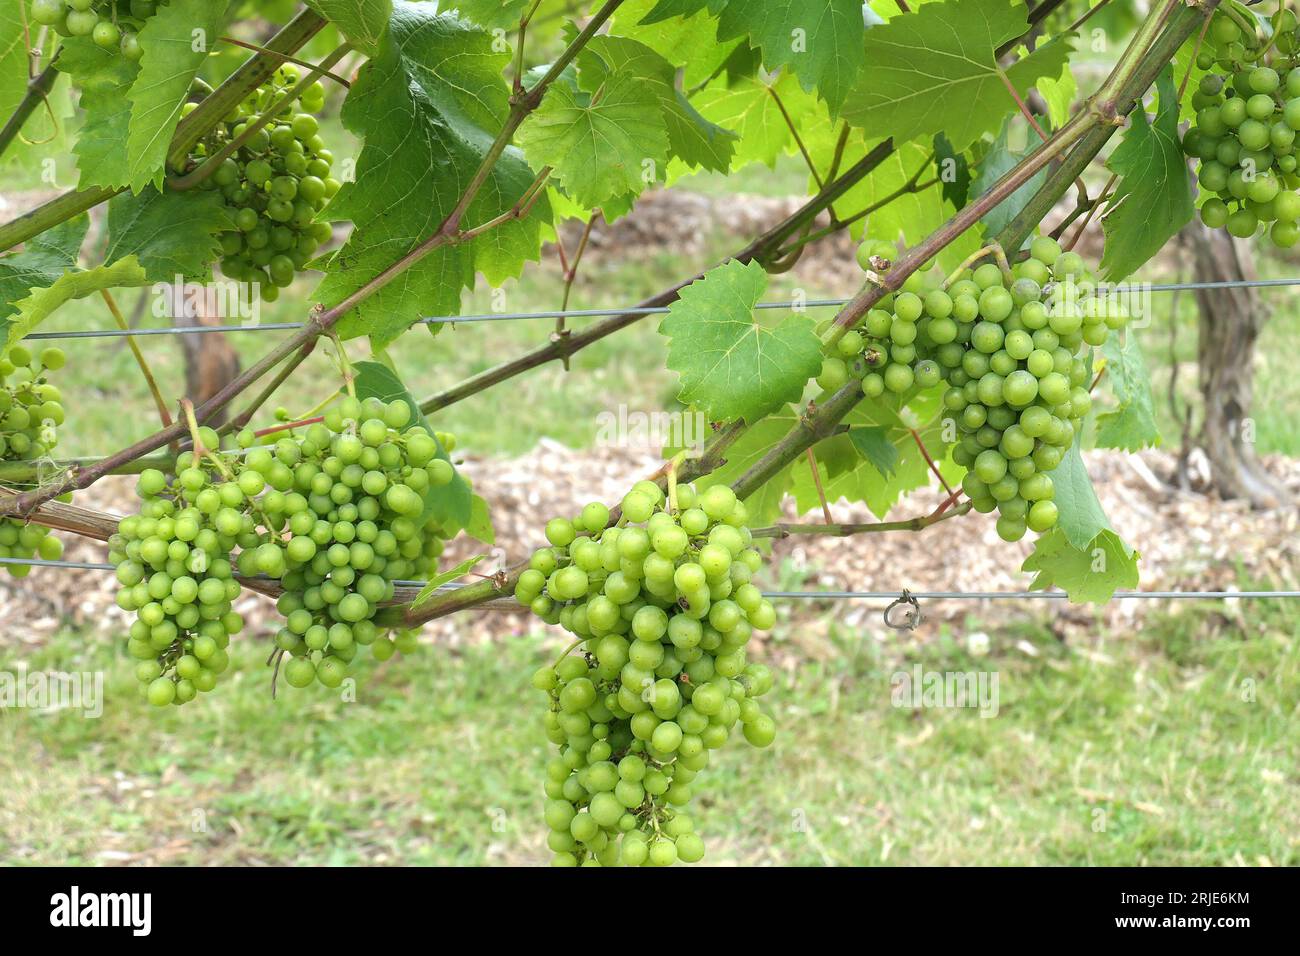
point(175, 571)
point(1248, 114)
point(112, 24)
point(336, 515)
point(30, 413)
point(663, 606)
point(345, 512)
point(1012, 351)
point(274, 185)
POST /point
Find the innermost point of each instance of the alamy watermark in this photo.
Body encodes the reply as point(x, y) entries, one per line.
point(921, 688)
point(653, 431)
point(48, 691)
point(219, 299)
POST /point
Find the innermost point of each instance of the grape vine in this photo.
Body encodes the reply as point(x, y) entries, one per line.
point(972, 354)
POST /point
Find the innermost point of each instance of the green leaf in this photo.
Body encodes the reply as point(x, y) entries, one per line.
point(748, 108)
point(600, 145)
point(688, 40)
point(445, 577)
point(13, 57)
point(935, 70)
point(764, 503)
point(691, 138)
point(176, 41)
point(429, 107)
point(30, 312)
point(491, 13)
point(820, 40)
point(1081, 515)
point(954, 171)
point(105, 79)
point(730, 365)
point(363, 22)
point(1132, 425)
point(171, 234)
point(1153, 199)
point(849, 474)
point(1091, 574)
point(1058, 93)
point(874, 445)
point(998, 161)
point(451, 504)
point(480, 522)
point(43, 260)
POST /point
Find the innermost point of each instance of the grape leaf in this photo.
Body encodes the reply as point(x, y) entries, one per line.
point(730, 365)
point(480, 521)
point(445, 577)
point(935, 70)
point(1091, 574)
point(1081, 515)
point(176, 41)
point(1153, 198)
point(999, 160)
point(954, 171)
point(171, 234)
point(363, 22)
point(847, 474)
point(1058, 93)
point(104, 78)
point(688, 39)
point(492, 13)
point(43, 260)
point(820, 40)
point(748, 108)
point(1132, 425)
point(601, 144)
point(450, 504)
point(13, 57)
point(429, 107)
point(874, 445)
point(76, 284)
point(764, 503)
point(691, 138)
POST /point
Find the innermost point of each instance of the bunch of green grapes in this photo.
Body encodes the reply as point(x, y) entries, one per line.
point(344, 518)
point(1013, 352)
point(112, 24)
point(1248, 114)
point(175, 571)
point(663, 606)
point(274, 186)
point(30, 413)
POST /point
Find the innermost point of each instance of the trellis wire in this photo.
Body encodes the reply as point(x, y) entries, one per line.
point(585, 313)
point(816, 595)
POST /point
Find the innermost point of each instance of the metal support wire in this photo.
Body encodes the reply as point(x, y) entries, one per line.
point(824, 595)
point(589, 313)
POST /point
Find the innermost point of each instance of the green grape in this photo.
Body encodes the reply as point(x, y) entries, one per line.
point(630, 740)
point(274, 184)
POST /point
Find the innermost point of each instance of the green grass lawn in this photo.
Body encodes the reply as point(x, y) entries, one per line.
point(1173, 746)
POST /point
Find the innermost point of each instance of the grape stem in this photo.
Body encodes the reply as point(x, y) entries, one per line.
point(286, 58)
point(201, 450)
point(140, 360)
point(673, 465)
point(38, 92)
point(821, 492)
point(919, 523)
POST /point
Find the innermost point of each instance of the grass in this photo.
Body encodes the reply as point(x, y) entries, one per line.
point(1173, 746)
